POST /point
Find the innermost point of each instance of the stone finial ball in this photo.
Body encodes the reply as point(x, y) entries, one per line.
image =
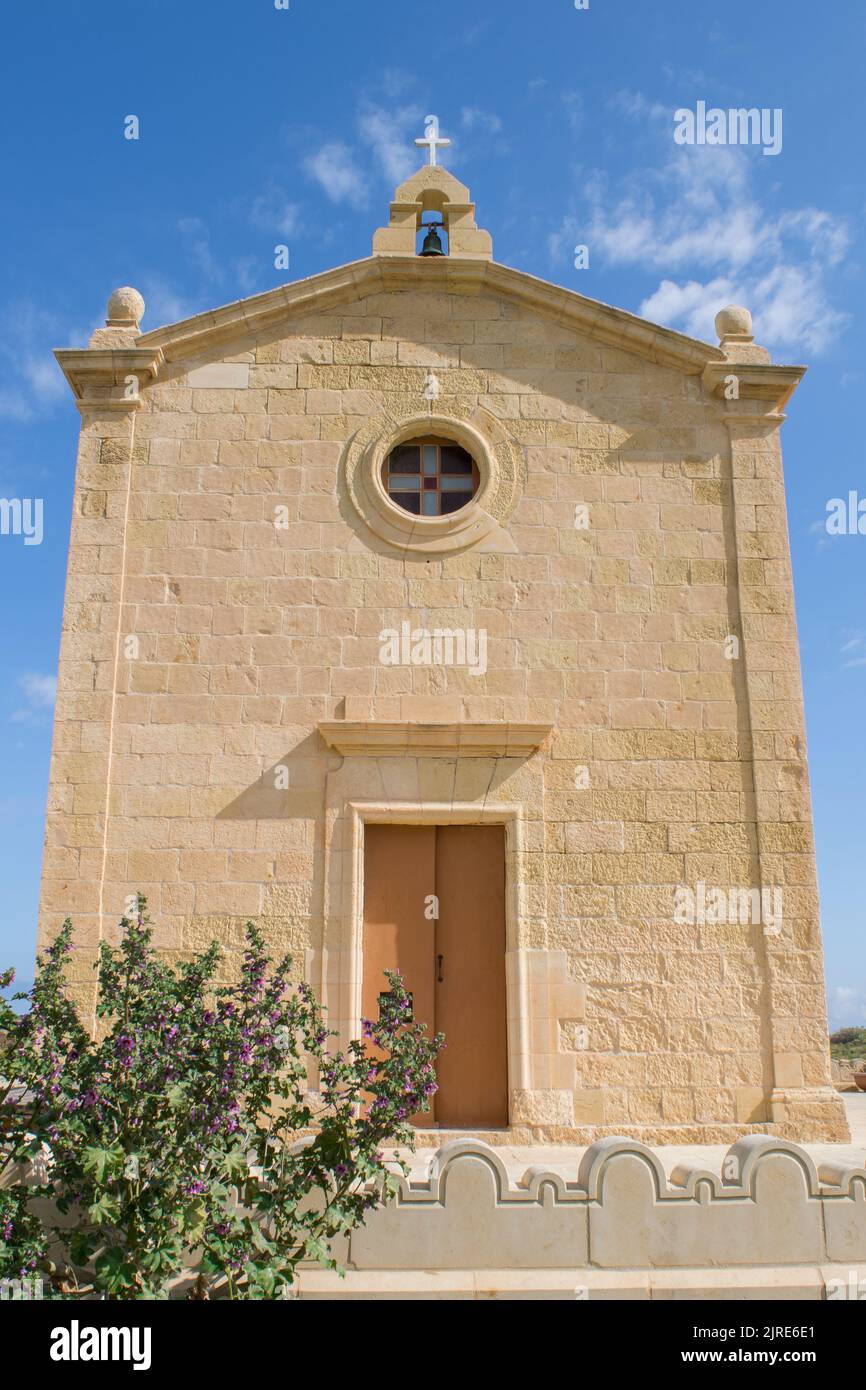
point(126, 306)
point(733, 320)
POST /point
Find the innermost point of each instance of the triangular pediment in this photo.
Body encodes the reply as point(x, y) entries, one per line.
point(205, 334)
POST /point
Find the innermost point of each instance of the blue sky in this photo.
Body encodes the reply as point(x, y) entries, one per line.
point(261, 126)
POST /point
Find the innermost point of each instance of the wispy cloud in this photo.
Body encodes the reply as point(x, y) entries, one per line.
point(43, 377)
point(33, 381)
point(335, 170)
point(387, 141)
point(474, 118)
point(854, 650)
point(163, 302)
point(694, 210)
point(39, 692)
point(480, 134)
point(390, 136)
point(15, 406)
point(274, 211)
point(386, 149)
point(475, 31)
point(197, 237)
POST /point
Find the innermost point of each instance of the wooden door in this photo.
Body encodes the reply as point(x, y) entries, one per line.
point(454, 967)
point(470, 977)
point(399, 873)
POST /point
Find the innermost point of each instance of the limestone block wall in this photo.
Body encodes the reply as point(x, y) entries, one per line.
point(203, 644)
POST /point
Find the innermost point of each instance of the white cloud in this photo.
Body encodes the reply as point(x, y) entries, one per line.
point(386, 146)
point(389, 134)
point(273, 211)
point(44, 377)
point(791, 309)
point(788, 309)
point(692, 306)
point(197, 235)
point(474, 118)
point(34, 382)
point(40, 693)
point(636, 104)
point(247, 271)
point(855, 650)
point(163, 303)
point(394, 83)
point(694, 209)
point(13, 406)
point(474, 32)
point(695, 212)
point(335, 169)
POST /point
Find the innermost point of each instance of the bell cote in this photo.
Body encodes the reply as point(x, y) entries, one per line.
point(433, 190)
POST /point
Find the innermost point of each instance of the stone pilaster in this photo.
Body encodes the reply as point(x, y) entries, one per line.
point(799, 1092)
point(105, 379)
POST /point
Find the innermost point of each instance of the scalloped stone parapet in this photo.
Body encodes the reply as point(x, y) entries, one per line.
point(763, 1221)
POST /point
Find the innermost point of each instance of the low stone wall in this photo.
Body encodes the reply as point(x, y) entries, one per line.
point(843, 1069)
point(769, 1225)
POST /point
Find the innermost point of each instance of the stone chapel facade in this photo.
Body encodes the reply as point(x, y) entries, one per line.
point(436, 616)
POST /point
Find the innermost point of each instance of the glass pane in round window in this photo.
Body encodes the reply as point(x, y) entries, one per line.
point(430, 477)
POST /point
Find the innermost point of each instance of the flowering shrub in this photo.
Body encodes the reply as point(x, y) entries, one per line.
point(185, 1136)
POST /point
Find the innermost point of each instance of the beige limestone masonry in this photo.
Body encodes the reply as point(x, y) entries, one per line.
point(232, 564)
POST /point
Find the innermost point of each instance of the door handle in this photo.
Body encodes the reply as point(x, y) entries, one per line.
point(440, 977)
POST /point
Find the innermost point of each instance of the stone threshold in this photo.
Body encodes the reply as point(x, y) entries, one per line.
point(811, 1283)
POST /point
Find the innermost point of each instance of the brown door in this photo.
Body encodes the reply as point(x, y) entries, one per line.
point(454, 967)
point(470, 976)
point(399, 871)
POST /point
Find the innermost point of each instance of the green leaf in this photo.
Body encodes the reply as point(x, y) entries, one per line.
point(113, 1272)
point(210, 1264)
point(103, 1162)
point(234, 1164)
point(192, 1220)
point(104, 1210)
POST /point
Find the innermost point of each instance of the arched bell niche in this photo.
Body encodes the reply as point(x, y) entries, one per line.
point(433, 195)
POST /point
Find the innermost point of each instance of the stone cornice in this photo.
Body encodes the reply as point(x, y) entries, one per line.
point(206, 332)
point(100, 377)
point(462, 738)
point(759, 381)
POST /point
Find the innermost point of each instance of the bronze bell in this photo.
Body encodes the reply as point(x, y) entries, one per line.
point(432, 245)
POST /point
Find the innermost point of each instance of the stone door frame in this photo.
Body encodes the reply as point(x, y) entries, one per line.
point(340, 968)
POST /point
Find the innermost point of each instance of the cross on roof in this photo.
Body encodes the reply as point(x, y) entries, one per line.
point(431, 137)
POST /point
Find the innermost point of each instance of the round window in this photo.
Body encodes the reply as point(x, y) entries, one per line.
point(430, 477)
